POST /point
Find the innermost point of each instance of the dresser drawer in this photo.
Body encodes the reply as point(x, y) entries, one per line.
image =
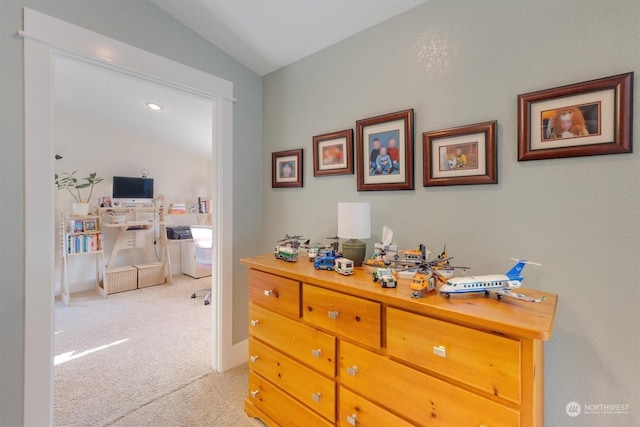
point(308, 345)
point(418, 396)
point(281, 407)
point(358, 411)
point(342, 314)
point(276, 293)
point(480, 359)
point(309, 387)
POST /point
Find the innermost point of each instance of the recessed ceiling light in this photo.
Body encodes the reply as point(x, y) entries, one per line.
point(154, 106)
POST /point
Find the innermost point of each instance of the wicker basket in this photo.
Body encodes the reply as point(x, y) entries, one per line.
point(120, 279)
point(150, 274)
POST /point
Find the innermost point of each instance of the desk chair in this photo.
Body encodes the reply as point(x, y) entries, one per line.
point(203, 241)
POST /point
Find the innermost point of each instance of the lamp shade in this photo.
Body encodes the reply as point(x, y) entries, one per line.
point(354, 220)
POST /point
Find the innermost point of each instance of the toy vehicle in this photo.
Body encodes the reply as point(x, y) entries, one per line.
point(286, 253)
point(422, 282)
point(385, 277)
point(500, 284)
point(287, 249)
point(326, 260)
point(312, 253)
point(344, 266)
point(426, 274)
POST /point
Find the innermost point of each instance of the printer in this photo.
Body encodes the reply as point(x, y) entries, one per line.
point(180, 232)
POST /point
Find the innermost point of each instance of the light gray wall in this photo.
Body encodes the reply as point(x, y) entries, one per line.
point(143, 25)
point(462, 62)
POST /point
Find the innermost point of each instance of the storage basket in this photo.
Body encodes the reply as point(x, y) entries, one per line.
point(120, 279)
point(150, 274)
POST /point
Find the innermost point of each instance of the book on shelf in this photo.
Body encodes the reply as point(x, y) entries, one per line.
point(177, 209)
point(84, 243)
point(206, 206)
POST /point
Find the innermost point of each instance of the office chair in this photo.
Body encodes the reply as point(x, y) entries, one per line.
point(203, 241)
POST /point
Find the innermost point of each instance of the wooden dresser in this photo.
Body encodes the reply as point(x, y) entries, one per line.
point(326, 349)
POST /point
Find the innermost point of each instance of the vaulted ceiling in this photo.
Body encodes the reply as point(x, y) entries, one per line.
point(264, 35)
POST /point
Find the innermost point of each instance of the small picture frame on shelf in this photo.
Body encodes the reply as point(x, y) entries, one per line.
point(78, 226)
point(286, 169)
point(104, 201)
point(89, 225)
point(333, 153)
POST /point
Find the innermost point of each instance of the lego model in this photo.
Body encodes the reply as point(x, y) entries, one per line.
point(326, 259)
point(312, 253)
point(429, 273)
point(344, 266)
point(287, 248)
point(383, 252)
point(286, 253)
point(500, 284)
point(422, 282)
point(385, 277)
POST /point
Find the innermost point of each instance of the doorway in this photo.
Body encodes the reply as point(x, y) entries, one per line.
point(44, 37)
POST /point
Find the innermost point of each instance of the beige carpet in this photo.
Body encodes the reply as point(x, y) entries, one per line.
point(142, 358)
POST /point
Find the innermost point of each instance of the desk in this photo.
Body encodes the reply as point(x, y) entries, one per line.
point(188, 263)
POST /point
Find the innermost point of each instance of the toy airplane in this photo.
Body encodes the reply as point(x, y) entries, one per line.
point(500, 284)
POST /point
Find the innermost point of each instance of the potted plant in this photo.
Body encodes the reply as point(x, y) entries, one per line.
point(73, 185)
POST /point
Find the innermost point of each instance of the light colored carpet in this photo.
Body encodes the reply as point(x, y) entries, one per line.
point(142, 357)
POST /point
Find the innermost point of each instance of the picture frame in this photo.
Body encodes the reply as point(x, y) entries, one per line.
point(583, 119)
point(391, 134)
point(78, 226)
point(464, 155)
point(89, 225)
point(286, 169)
point(333, 153)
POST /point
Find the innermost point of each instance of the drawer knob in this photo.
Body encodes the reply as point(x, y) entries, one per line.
point(316, 397)
point(440, 350)
point(254, 393)
point(268, 292)
point(254, 359)
point(333, 315)
point(352, 370)
point(255, 322)
point(352, 419)
point(316, 353)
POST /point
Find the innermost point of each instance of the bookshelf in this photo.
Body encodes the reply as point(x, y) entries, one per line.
point(80, 235)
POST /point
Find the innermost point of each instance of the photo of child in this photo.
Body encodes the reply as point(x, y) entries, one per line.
point(459, 156)
point(384, 155)
point(287, 170)
point(333, 155)
point(571, 122)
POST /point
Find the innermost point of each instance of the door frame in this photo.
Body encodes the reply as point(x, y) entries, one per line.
point(44, 38)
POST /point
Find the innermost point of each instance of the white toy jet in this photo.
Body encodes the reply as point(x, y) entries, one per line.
point(500, 284)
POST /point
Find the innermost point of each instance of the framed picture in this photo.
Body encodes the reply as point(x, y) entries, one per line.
point(286, 169)
point(333, 153)
point(89, 225)
point(461, 156)
point(78, 226)
point(384, 152)
point(583, 119)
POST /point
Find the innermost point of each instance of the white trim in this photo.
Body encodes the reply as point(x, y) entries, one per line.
point(44, 37)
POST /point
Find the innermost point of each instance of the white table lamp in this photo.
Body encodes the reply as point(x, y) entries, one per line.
point(354, 222)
